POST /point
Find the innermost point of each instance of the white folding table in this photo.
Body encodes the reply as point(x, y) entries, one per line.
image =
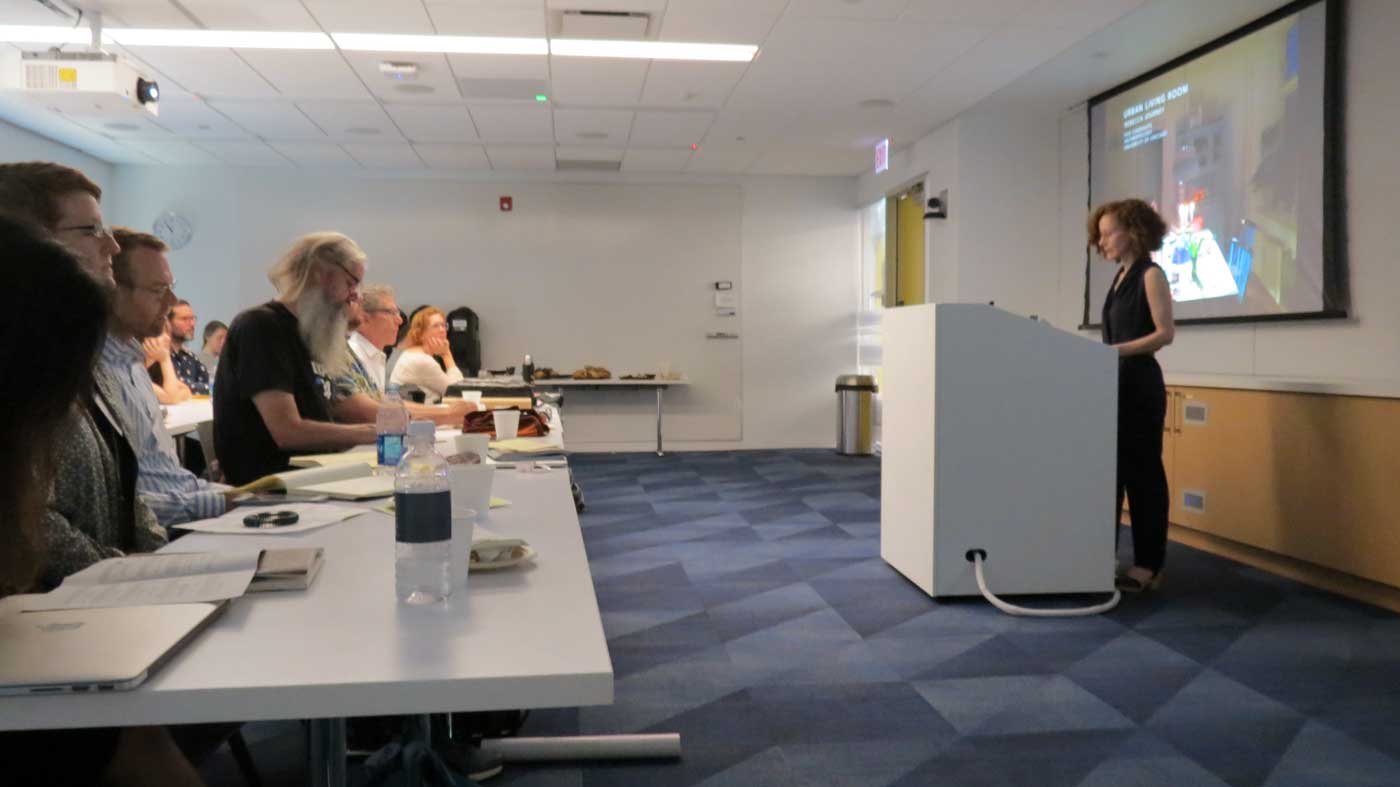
point(659, 386)
point(520, 638)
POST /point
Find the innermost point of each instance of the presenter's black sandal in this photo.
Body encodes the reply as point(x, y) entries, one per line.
point(1131, 584)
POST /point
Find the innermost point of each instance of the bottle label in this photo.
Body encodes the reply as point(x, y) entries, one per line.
point(422, 517)
point(390, 449)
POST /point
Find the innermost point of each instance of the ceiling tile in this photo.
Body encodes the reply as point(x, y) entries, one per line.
point(847, 9)
point(433, 122)
point(370, 16)
point(306, 74)
point(251, 15)
point(717, 159)
point(654, 160)
point(644, 6)
point(670, 129)
point(434, 81)
point(720, 21)
point(587, 153)
point(135, 125)
point(507, 124)
point(450, 156)
point(173, 152)
point(994, 63)
point(594, 81)
point(242, 153)
point(679, 84)
point(169, 86)
point(500, 66)
point(584, 126)
point(512, 157)
point(363, 121)
point(757, 127)
point(812, 160)
point(270, 120)
point(833, 62)
point(514, 18)
point(983, 13)
point(125, 13)
point(1084, 16)
point(190, 117)
point(207, 72)
point(314, 154)
point(384, 155)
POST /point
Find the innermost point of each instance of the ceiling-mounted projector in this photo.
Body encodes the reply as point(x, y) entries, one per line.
point(79, 83)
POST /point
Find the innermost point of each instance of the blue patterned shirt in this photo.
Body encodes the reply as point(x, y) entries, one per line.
point(173, 493)
point(191, 371)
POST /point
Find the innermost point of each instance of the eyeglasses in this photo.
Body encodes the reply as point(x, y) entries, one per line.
point(354, 280)
point(160, 292)
point(92, 230)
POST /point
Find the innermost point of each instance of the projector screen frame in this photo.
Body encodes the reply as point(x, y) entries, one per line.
point(1335, 277)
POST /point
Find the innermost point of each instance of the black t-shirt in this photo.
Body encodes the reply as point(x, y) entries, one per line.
point(263, 352)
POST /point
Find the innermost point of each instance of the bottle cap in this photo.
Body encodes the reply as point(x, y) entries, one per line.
point(392, 388)
point(422, 429)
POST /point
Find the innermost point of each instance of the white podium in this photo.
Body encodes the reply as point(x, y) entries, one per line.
point(998, 434)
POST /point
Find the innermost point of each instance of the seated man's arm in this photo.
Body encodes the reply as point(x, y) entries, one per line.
point(68, 550)
point(291, 432)
point(449, 413)
point(354, 409)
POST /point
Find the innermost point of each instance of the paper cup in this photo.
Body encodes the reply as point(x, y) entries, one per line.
point(507, 423)
point(476, 443)
point(463, 530)
point(471, 486)
point(471, 396)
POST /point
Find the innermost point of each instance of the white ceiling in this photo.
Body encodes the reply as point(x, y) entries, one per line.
point(796, 109)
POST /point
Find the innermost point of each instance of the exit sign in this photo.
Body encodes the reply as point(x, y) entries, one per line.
point(882, 155)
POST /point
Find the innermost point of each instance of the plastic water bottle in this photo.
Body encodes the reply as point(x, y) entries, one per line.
point(527, 371)
point(422, 521)
point(392, 425)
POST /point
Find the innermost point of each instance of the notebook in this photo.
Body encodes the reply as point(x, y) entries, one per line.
point(341, 482)
point(94, 650)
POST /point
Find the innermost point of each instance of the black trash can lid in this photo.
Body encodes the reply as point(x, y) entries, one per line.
point(856, 382)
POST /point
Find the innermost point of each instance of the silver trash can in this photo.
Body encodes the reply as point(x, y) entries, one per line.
point(855, 414)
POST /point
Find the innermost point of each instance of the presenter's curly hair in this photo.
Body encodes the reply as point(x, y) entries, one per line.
point(1144, 226)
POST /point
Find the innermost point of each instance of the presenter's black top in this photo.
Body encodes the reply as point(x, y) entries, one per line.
point(1127, 316)
point(264, 352)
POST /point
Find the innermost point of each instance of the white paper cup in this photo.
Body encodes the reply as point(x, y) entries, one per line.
point(471, 396)
point(474, 443)
point(507, 423)
point(463, 529)
point(471, 486)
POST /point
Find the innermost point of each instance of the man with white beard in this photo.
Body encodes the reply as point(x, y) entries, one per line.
point(273, 393)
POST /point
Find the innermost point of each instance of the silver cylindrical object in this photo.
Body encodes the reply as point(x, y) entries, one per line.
point(855, 414)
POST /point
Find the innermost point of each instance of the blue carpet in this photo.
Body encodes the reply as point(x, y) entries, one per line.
point(747, 608)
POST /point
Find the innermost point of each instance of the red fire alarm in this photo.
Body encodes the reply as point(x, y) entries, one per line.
point(506, 204)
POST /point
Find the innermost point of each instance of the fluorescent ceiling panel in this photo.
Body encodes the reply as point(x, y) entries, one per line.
point(44, 34)
point(222, 39)
point(461, 45)
point(651, 50)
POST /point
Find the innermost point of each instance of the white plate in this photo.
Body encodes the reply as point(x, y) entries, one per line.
point(528, 554)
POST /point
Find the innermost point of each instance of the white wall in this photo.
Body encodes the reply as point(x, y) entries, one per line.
point(616, 274)
point(1019, 215)
point(17, 144)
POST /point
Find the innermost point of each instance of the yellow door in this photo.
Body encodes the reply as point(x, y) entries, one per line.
point(909, 262)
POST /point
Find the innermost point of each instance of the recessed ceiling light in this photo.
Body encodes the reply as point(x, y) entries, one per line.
point(122, 126)
point(219, 39)
point(593, 135)
point(876, 103)
point(415, 89)
point(362, 131)
point(651, 50)
point(204, 127)
point(1099, 54)
point(458, 45)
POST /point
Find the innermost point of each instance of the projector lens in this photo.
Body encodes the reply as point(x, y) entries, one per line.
point(147, 92)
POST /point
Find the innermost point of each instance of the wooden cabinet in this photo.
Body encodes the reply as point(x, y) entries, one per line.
point(1310, 477)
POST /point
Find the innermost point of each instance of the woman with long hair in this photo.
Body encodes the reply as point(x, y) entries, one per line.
point(1137, 321)
point(424, 356)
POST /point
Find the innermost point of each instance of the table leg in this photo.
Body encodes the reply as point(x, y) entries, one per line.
point(326, 753)
point(659, 391)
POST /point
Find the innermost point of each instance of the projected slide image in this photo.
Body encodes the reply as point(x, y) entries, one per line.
point(1226, 147)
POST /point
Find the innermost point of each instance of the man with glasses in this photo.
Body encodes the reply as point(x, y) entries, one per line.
point(143, 298)
point(188, 367)
point(93, 510)
point(273, 394)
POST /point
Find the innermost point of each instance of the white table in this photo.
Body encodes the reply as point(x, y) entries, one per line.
point(521, 638)
point(186, 416)
point(659, 386)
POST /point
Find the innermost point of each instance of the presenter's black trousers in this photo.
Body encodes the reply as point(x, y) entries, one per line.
point(1142, 412)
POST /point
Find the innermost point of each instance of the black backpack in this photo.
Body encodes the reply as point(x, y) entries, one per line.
point(463, 335)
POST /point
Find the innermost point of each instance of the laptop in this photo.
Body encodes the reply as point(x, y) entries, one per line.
point(94, 650)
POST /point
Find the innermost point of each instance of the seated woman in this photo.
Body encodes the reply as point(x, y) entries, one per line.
point(416, 360)
point(43, 278)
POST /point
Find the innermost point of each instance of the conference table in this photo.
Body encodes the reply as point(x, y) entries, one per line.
point(526, 637)
point(186, 416)
point(657, 385)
